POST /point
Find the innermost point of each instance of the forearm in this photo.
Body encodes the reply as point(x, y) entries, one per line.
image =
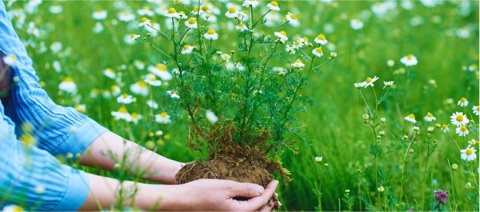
point(140, 161)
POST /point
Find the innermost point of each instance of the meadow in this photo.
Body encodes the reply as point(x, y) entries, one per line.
point(361, 149)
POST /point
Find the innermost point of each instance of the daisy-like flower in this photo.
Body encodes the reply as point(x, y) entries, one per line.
point(121, 113)
point(182, 15)
point(191, 23)
point(161, 71)
point(134, 36)
point(140, 88)
point(135, 117)
point(369, 81)
point(109, 73)
point(429, 117)
point(231, 13)
point(144, 22)
point(115, 90)
point(139, 64)
point(462, 130)
point(68, 85)
point(126, 16)
point(211, 117)
point(125, 99)
point(145, 11)
point(290, 49)
point(173, 93)
point(317, 52)
point(273, 5)
point(187, 49)
point(359, 84)
point(463, 102)
point(211, 35)
point(468, 154)
point(100, 15)
point(172, 13)
point(282, 35)
point(10, 60)
point(476, 110)
point(55, 9)
point(387, 84)
point(163, 118)
point(472, 142)
point(458, 118)
point(225, 56)
point(241, 27)
point(12, 208)
point(152, 104)
point(297, 44)
point(152, 80)
point(298, 64)
point(411, 118)
point(356, 24)
point(444, 128)
point(82, 108)
point(318, 159)
point(242, 15)
point(248, 3)
point(291, 18)
point(409, 60)
point(320, 39)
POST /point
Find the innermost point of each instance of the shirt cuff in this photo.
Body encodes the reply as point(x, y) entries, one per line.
point(76, 192)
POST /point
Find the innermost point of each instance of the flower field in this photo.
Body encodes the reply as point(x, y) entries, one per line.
point(387, 120)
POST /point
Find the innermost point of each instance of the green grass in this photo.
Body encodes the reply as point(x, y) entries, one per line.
point(334, 124)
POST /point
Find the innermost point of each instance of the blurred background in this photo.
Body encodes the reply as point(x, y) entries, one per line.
point(82, 39)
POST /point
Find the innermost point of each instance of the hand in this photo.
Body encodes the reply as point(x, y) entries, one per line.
point(226, 195)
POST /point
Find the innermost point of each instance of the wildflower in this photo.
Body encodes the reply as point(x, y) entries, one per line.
point(211, 117)
point(468, 154)
point(241, 27)
point(172, 13)
point(135, 117)
point(317, 52)
point(99, 15)
point(242, 15)
point(211, 35)
point(140, 88)
point(10, 60)
point(463, 102)
point(365, 116)
point(146, 11)
point(441, 196)
point(468, 185)
point(68, 85)
point(161, 71)
point(144, 22)
point(250, 3)
point(125, 99)
point(291, 18)
point(297, 44)
point(390, 63)
point(162, 118)
point(231, 13)
point(98, 27)
point(134, 36)
point(298, 64)
point(12, 208)
point(320, 39)
point(356, 24)
point(152, 104)
point(109, 73)
point(273, 5)
point(444, 128)
point(472, 142)
point(430, 129)
point(476, 110)
point(429, 117)
point(369, 81)
point(55, 9)
point(462, 130)
point(139, 64)
point(115, 90)
point(121, 113)
point(318, 159)
point(126, 16)
point(454, 166)
point(472, 67)
point(411, 118)
point(282, 35)
point(387, 84)
point(290, 49)
point(381, 189)
point(381, 132)
point(191, 23)
point(187, 49)
point(81, 108)
point(458, 118)
point(359, 84)
point(415, 128)
point(152, 80)
point(173, 93)
point(409, 60)
point(383, 119)
point(182, 15)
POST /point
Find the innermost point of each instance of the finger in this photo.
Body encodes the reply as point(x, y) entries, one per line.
point(259, 202)
point(246, 190)
point(269, 207)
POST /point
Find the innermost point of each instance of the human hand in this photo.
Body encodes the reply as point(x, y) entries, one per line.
point(226, 195)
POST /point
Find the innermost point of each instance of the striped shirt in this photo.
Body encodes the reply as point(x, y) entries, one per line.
point(30, 175)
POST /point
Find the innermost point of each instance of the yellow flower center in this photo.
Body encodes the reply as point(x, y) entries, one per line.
point(134, 115)
point(195, 9)
point(319, 50)
point(459, 117)
point(142, 84)
point(429, 115)
point(122, 110)
point(298, 61)
point(171, 10)
point(68, 79)
point(297, 43)
point(13, 57)
point(211, 32)
point(463, 128)
point(368, 80)
point(144, 19)
point(293, 16)
point(133, 35)
point(283, 33)
point(185, 47)
point(411, 116)
point(444, 126)
point(204, 7)
point(409, 56)
point(478, 108)
point(161, 67)
point(463, 100)
point(181, 13)
point(125, 95)
point(321, 37)
point(469, 151)
point(241, 24)
point(274, 3)
point(305, 39)
point(163, 114)
point(232, 10)
point(192, 21)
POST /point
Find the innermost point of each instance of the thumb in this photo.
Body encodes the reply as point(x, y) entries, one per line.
point(247, 190)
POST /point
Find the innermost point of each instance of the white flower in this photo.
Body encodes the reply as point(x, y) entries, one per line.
point(173, 93)
point(458, 118)
point(429, 117)
point(318, 159)
point(55, 9)
point(191, 23)
point(292, 18)
point(109, 73)
point(139, 64)
point(225, 56)
point(273, 5)
point(56, 47)
point(12, 208)
point(212, 118)
point(68, 85)
point(409, 60)
point(356, 24)
point(187, 49)
point(411, 118)
point(290, 49)
point(369, 81)
point(152, 104)
point(145, 11)
point(126, 16)
point(125, 99)
point(298, 64)
point(99, 15)
point(152, 80)
point(241, 27)
point(444, 128)
point(134, 36)
point(144, 22)
point(248, 3)
point(317, 52)
point(231, 13)
point(10, 60)
point(162, 118)
point(468, 154)
point(387, 84)
point(135, 117)
point(359, 84)
point(140, 88)
point(121, 113)
point(463, 102)
point(476, 110)
point(161, 71)
point(282, 35)
point(297, 44)
point(172, 13)
point(320, 39)
point(211, 35)
point(462, 130)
